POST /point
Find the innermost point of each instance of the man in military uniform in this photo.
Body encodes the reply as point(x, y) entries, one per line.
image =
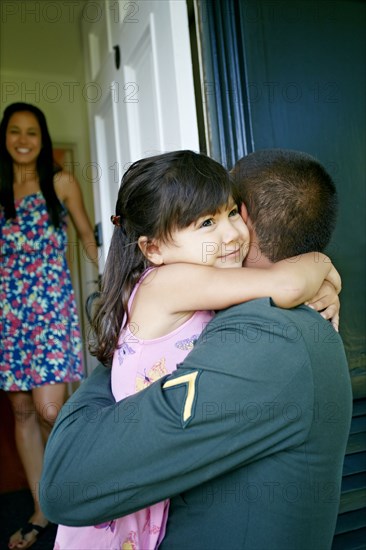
point(247, 437)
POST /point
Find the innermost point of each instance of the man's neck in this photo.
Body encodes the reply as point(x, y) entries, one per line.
point(256, 258)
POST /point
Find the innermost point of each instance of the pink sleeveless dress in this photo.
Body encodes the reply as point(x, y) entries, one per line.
point(136, 364)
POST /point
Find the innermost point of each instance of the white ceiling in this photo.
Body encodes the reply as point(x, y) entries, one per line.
point(41, 36)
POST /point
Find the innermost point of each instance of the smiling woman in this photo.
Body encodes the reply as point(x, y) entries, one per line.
point(23, 138)
point(40, 345)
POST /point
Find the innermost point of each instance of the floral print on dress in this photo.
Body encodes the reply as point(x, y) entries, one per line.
point(122, 351)
point(131, 542)
point(111, 525)
point(40, 340)
point(188, 343)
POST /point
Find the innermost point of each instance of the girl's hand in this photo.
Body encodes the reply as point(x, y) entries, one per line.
point(335, 279)
point(326, 301)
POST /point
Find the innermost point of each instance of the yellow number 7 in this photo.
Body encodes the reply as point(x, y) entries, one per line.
point(190, 380)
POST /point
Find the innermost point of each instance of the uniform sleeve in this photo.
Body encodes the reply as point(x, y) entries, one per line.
point(234, 400)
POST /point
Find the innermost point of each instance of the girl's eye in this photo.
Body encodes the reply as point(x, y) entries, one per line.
point(207, 222)
point(234, 212)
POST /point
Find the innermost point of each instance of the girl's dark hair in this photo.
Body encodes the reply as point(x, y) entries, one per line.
point(158, 195)
point(46, 167)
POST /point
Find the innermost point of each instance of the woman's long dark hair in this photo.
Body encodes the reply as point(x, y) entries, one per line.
point(158, 195)
point(46, 167)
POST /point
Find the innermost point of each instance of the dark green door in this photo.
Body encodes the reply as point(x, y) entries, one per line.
point(291, 74)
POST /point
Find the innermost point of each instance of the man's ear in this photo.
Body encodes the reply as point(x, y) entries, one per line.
point(244, 212)
point(150, 250)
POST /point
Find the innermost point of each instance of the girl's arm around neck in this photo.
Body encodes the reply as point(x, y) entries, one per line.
point(304, 275)
point(189, 287)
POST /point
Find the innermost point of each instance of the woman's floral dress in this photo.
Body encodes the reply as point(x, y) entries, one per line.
point(40, 340)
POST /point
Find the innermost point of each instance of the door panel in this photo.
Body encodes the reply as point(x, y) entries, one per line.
point(297, 70)
point(141, 92)
point(138, 56)
point(107, 176)
point(299, 73)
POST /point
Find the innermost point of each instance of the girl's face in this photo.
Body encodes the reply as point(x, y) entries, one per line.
point(218, 240)
point(23, 138)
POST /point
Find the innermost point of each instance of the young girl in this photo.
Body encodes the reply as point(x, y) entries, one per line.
point(177, 225)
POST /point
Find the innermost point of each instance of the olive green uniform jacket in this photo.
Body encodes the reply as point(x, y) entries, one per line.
point(247, 438)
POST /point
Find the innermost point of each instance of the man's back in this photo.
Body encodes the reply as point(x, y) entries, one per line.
point(294, 387)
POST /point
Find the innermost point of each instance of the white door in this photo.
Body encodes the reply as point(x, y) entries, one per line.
point(139, 89)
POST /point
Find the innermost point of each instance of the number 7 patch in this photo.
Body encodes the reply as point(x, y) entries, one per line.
point(190, 381)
